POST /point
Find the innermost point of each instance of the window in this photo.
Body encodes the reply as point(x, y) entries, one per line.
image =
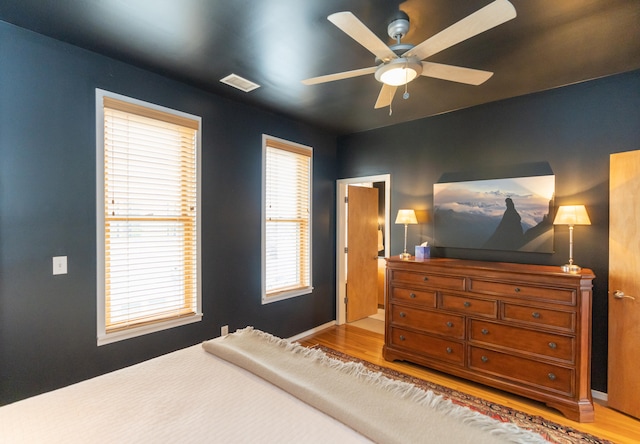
point(286, 219)
point(148, 228)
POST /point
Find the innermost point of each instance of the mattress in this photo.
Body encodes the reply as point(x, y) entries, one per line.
point(188, 396)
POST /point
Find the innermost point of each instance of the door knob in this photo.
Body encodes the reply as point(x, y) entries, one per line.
point(620, 295)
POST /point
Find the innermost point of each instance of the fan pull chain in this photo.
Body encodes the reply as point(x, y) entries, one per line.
point(405, 96)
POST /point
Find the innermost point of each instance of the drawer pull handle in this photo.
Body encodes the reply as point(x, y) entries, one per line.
point(449, 324)
point(517, 289)
point(426, 278)
point(484, 331)
point(402, 338)
point(449, 350)
point(535, 314)
point(553, 345)
point(484, 359)
point(403, 314)
point(412, 295)
point(467, 304)
point(552, 376)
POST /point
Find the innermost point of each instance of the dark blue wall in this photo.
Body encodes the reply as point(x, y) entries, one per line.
point(571, 130)
point(47, 208)
point(47, 199)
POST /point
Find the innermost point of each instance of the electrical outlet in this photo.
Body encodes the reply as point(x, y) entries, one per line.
point(224, 330)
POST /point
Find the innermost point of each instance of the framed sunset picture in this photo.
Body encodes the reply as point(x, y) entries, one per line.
point(514, 214)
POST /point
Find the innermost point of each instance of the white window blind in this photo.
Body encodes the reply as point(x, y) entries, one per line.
point(287, 219)
point(150, 218)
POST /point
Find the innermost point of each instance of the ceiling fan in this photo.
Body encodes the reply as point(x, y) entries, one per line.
point(399, 64)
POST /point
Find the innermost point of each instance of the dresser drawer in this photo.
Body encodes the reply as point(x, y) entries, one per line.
point(429, 346)
point(565, 295)
point(523, 371)
point(524, 340)
point(431, 280)
point(443, 324)
point(527, 315)
point(469, 305)
point(422, 297)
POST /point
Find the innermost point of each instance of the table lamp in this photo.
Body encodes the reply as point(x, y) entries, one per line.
point(406, 217)
point(571, 215)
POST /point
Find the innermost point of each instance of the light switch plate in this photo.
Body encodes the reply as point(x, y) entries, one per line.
point(60, 265)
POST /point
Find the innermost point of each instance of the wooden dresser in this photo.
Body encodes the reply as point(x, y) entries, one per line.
point(521, 328)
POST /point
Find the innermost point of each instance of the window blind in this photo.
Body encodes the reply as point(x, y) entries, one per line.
point(287, 218)
point(150, 215)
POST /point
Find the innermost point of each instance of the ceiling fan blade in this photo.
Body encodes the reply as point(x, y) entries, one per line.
point(386, 96)
point(455, 73)
point(340, 76)
point(492, 15)
point(354, 28)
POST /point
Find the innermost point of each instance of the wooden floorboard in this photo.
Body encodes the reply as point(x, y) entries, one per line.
point(364, 344)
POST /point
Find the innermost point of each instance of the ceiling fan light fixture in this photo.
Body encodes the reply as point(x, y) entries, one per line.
point(399, 71)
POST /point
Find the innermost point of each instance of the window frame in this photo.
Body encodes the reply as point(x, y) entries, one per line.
point(285, 145)
point(104, 337)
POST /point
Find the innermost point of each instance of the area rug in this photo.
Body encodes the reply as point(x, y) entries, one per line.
point(551, 431)
point(383, 409)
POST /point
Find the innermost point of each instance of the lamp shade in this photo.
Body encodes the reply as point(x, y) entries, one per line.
point(572, 215)
point(407, 217)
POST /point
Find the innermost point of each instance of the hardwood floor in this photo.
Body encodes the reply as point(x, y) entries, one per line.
point(367, 345)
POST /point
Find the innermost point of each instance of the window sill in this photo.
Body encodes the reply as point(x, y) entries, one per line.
point(109, 338)
point(286, 295)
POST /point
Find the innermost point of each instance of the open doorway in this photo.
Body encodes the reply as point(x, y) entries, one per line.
point(382, 183)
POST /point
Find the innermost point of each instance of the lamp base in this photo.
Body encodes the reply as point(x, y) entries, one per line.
point(571, 268)
point(405, 256)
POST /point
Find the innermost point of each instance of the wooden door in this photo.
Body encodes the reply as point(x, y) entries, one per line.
point(362, 252)
point(624, 283)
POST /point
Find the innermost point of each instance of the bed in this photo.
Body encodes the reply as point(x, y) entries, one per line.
point(246, 387)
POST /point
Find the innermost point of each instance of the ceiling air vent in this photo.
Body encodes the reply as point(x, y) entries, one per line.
point(238, 82)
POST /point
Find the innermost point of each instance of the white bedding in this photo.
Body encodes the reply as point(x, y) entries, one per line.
point(188, 396)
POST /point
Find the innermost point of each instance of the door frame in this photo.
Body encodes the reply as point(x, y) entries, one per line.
point(341, 233)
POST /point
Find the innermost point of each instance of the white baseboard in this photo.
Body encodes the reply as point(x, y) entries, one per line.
point(312, 331)
point(600, 395)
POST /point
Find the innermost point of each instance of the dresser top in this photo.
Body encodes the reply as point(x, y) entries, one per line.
point(449, 263)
